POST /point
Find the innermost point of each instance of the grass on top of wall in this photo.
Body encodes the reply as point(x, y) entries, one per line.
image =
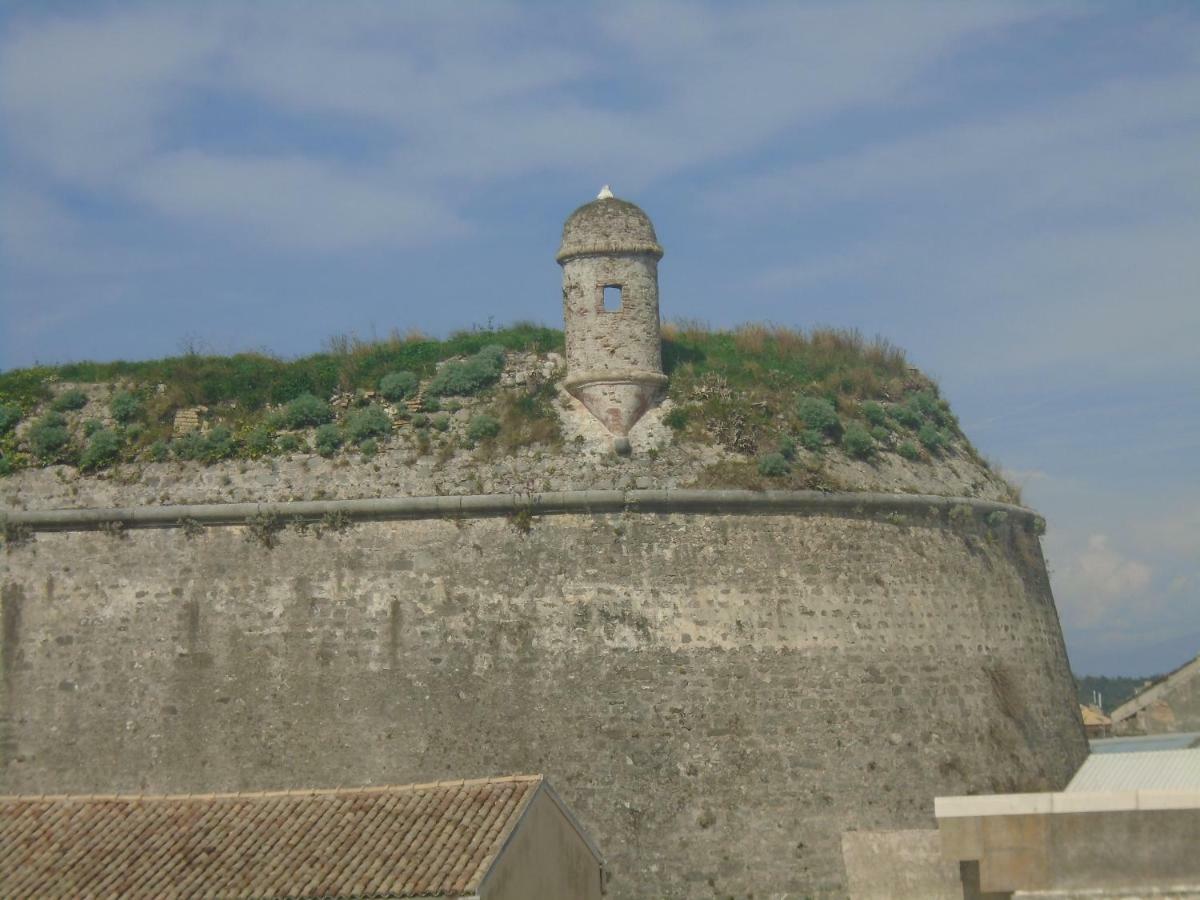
point(253, 380)
point(770, 391)
point(757, 355)
point(778, 396)
point(751, 356)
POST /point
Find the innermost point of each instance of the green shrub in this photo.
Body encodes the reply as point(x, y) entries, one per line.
point(880, 434)
point(931, 438)
point(818, 414)
point(420, 420)
point(483, 426)
point(91, 426)
point(102, 450)
point(932, 407)
point(773, 465)
point(369, 447)
point(72, 399)
point(397, 386)
point(305, 411)
point(812, 440)
point(787, 447)
point(48, 436)
point(494, 355)
point(218, 444)
point(996, 518)
point(922, 408)
point(328, 439)
point(10, 415)
point(874, 413)
point(158, 451)
point(188, 446)
point(125, 407)
point(259, 441)
point(908, 416)
point(470, 375)
point(858, 442)
point(368, 422)
point(6, 465)
point(677, 418)
point(441, 422)
point(1038, 525)
point(466, 377)
point(908, 450)
point(289, 443)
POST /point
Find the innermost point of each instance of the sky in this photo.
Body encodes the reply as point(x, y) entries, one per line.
point(1009, 191)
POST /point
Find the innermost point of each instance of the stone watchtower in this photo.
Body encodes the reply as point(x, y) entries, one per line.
point(609, 256)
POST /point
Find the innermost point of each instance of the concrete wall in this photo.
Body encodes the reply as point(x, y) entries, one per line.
point(718, 697)
point(1126, 843)
point(899, 865)
point(546, 859)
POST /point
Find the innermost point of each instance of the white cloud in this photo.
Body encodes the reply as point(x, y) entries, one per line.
point(1175, 530)
point(1103, 570)
point(1102, 146)
point(1184, 584)
point(1099, 582)
point(83, 98)
point(295, 202)
point(431, 97)
point(1063, 229)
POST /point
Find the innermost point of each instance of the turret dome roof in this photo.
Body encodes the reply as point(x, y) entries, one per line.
point(608, 225)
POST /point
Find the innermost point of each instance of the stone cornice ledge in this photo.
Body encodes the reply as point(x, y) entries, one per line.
point(485, 505)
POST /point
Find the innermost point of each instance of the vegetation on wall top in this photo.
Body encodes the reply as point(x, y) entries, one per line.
point(768, 391)
point(777, 398)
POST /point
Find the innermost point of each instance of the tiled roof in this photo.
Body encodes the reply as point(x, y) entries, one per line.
point(1093, 716)
point(425, 840)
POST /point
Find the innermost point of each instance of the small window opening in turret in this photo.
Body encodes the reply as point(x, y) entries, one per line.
point(612, 298)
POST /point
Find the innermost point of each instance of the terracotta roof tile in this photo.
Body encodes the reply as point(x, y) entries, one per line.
point(430, 840)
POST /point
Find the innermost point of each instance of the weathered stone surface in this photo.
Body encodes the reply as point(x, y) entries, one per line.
point(399, 469)
point(719, 697)
point(187, 420)
point(899, 865)
point(614, 357)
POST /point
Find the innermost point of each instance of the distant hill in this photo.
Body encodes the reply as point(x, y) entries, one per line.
point(1114, 690)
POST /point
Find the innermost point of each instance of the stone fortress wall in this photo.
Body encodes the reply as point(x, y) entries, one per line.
point(721, 684)
point(719, 687)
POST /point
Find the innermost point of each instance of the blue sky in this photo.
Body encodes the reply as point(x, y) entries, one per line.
point(1009, 191)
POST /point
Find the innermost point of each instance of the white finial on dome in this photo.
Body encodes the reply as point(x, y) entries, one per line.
point(605, 193)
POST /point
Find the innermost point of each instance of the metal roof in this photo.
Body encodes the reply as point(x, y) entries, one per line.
point(1175, 740)
point(1160, 770)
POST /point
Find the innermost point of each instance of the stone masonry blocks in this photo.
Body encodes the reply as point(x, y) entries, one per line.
point(719, 697)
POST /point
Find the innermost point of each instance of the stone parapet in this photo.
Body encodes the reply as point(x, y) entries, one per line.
point(548, 503)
